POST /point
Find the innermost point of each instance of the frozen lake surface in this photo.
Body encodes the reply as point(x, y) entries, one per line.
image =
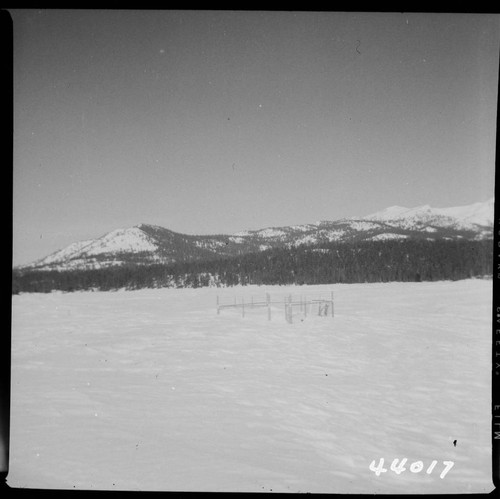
point(152, 390)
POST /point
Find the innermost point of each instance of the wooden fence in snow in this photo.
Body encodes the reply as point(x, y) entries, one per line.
point(302, 306)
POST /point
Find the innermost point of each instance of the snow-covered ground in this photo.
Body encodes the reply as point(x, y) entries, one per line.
point(153, 390)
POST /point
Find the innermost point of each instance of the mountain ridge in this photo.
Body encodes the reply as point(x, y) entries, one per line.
point(145, 244)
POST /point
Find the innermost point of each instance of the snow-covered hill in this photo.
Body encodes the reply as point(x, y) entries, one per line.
point(464, 217)
point(85, 253)
point(146, 244)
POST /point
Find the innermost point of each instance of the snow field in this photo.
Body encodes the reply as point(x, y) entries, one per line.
point(152, 390)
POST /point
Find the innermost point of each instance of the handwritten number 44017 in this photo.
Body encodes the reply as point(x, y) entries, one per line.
point(416, 467)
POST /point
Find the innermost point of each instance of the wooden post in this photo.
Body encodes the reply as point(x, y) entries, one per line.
point(218, 309)
point(289, 309)
point(332, 305)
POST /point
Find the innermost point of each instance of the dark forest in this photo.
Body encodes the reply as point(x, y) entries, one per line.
point(325, 263)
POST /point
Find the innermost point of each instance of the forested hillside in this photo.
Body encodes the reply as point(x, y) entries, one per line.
point(325, 263)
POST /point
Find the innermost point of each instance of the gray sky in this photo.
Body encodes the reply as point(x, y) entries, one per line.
point(215, 122)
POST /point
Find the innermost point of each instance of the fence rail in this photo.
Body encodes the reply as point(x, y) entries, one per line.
point(303, 306)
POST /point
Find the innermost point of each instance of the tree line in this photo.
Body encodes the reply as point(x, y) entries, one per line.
point(325, 263)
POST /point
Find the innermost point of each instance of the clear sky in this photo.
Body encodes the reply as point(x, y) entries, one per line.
point(209, 122)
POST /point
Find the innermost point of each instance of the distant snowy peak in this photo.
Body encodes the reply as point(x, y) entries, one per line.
point(396, 213)
point(130, 240)
point(67, 253)
point(465, 216)
point(477, 213)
